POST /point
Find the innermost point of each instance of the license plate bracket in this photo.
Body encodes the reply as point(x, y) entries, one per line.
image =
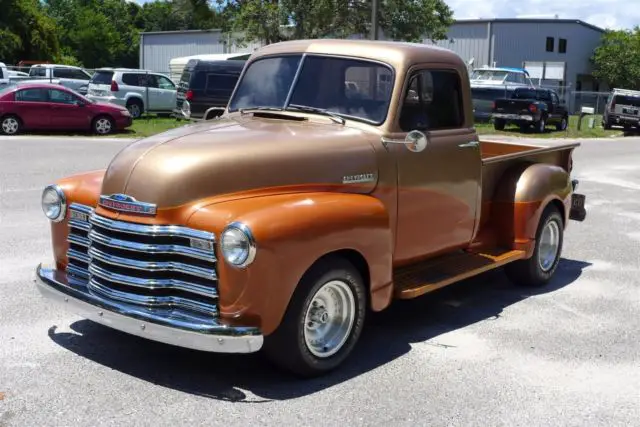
point(578, 211)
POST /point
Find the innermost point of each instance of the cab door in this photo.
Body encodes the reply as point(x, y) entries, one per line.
point(439, 167)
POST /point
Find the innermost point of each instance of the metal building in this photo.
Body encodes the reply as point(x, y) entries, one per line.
point(158, 48)
point(555, 52)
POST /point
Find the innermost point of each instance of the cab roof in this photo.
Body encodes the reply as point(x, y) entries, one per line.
point(396, 54)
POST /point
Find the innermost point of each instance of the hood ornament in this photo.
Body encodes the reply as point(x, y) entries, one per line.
point(125, 203)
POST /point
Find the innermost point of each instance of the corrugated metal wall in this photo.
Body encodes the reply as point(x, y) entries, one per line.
point(468, 41)
point(515, 43)
point(157, 49)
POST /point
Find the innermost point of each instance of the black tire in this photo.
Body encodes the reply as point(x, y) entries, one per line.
point(135, 107)
point(103, 125)
point(529, 272)
point(564, 122)
point(287, 347)
point(10, 125)
point(541, 124)
point(499, 124)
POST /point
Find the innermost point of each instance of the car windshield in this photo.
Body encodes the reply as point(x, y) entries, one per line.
point(350, 88)
point(489, 75)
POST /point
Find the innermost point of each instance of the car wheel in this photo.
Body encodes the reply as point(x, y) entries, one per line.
point(323, 322)
point(499, 124)
point(10, 125)
point(538, 270)
point(135, 108)
point(541, 125)
point(562, 125)
point(103, 125)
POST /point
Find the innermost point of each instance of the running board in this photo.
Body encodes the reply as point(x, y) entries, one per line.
point(419, 279)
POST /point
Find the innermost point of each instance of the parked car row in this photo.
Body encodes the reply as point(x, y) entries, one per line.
point(530, 107)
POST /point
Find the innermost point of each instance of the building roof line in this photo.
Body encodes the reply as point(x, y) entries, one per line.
point(529, 21)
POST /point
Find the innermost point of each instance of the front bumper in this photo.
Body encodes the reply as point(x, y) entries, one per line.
point(57, 286)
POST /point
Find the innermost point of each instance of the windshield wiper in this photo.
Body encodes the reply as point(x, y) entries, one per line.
point(249, 109)
point(334, 116)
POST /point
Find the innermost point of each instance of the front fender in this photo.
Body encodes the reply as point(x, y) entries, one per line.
point(292, 231)
point(523, 194)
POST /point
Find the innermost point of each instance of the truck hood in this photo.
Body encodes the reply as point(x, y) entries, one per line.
point(233, 155)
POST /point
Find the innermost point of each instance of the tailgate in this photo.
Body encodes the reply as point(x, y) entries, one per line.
point(512, 106)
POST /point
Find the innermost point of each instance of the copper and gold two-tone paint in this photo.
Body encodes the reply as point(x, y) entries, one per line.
point(455, 204)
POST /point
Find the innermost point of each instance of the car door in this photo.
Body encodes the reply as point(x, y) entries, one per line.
point(68, 111)
point(32, 106)
point(166, 93)
point(439, 170)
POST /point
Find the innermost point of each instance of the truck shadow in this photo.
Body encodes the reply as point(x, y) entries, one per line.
point(251, 379)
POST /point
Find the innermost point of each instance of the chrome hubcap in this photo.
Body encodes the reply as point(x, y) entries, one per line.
point(103, 126)
point(10, 125)
point(329, 319)
point(549, 244)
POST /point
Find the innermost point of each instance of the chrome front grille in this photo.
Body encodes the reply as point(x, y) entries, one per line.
point(164, 268)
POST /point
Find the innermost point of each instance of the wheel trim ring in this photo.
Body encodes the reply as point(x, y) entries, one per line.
point(336, 331)
point(549, 246)
point(134, 109)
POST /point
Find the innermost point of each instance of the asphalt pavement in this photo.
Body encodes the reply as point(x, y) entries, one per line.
point(481, 353)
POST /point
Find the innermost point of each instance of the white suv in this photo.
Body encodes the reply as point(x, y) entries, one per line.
point(138, 90)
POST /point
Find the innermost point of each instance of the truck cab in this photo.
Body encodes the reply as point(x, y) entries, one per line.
point(310, 203)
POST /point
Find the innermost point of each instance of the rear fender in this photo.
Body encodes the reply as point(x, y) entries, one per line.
point(293, 231)
point(523, 193)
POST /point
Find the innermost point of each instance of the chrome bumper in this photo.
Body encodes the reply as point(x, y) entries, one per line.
point(55, 285)
point(507, 116)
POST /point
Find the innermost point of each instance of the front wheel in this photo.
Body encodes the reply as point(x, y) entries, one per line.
point(538, 270)
point(562, 125)
point(10, 125)
point(103, 125)
point(323, 322)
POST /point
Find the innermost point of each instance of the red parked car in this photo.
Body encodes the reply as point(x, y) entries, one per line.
point(44, 106)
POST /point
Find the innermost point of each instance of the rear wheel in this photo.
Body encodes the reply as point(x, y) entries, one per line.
point(10, 125)
point(538, 270)
point(135, 108)
point(323, 322)
point(562, 125)
point(498, 124)
point(541, 124)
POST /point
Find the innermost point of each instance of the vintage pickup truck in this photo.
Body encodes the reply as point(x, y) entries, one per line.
point(279, 225)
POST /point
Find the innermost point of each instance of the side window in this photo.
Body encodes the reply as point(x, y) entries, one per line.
point(165, 83)
point(31, 95)
point(79, 74)
point(61, 97)
point(220, 84)
point(37, 72)
point(433, 101)
point(131, 79)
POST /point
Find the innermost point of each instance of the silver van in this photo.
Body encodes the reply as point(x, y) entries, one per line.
point(622, 109)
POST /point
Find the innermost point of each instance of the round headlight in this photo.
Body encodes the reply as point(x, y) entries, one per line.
point(237, 244)
point(54, 204)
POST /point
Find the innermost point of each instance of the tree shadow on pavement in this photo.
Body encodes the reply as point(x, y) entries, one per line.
point(387, 336)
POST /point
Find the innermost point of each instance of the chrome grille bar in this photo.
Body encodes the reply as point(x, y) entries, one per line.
point(150, 230)
point(152, 301)
point(150, 248)
point(78, 240)
point(77, 255)
point(151, 284)
point(179, 267)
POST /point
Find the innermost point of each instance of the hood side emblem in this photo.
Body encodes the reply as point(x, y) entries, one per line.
point(124, 203)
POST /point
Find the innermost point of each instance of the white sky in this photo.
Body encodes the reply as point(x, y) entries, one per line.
point(613, 14)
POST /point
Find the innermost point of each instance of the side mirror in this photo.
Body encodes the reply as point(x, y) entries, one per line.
point(415, 141)
point(211, 112)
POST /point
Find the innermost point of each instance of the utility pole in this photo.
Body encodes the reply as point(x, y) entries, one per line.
point(374, 19)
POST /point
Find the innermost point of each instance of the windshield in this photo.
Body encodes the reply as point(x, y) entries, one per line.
point(489, 75)
point(350, 88)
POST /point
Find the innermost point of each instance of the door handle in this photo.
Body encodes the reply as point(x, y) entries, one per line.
point(469, 144)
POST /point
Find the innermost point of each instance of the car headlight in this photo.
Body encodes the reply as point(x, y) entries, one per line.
point(237, 244)
point(54, 203)
point(125, 113)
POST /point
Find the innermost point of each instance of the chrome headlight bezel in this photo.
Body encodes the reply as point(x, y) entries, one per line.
point(239, 229)
point(61, 202)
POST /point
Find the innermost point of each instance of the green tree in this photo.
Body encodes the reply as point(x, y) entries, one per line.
point(617, 59)
point(26, 32)
point(276, 20)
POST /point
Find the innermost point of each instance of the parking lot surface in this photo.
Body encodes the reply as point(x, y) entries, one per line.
point(482, 352)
